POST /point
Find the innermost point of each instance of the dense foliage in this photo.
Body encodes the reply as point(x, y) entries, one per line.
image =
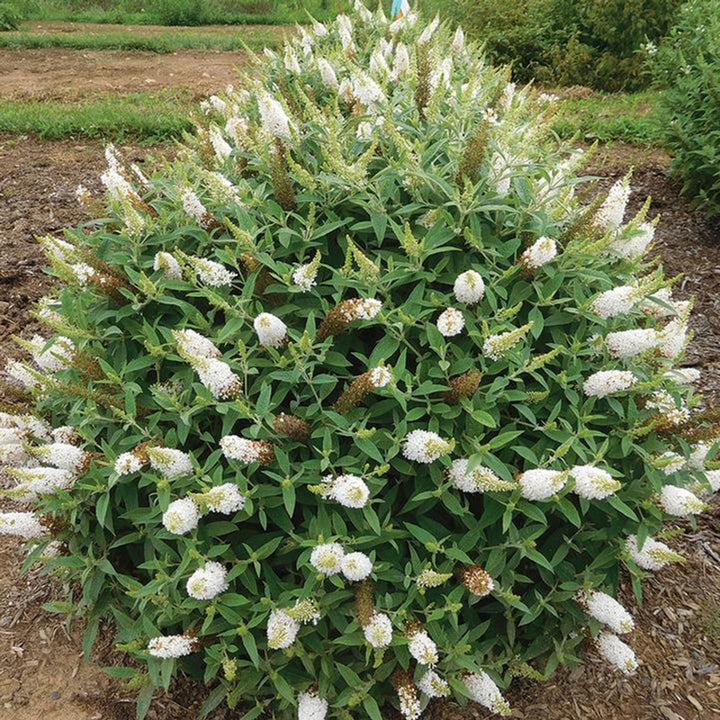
point(687, 68)
point(9, 17)
point(598, 43)
point(353, 397)
point(180, 12)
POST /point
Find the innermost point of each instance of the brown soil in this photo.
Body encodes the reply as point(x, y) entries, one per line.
point(62, 74)
point(677, 638)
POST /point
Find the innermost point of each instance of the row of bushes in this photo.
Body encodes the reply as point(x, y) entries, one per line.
point(178, 12)
point(687, 69)
point(600, 43)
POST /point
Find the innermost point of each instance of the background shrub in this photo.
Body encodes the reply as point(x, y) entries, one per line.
point(687, 68)
point(590, 42)
point(10, 17)
point(353, 397)
point(181, 12)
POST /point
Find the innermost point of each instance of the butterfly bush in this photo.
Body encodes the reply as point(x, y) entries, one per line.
point(357, 403)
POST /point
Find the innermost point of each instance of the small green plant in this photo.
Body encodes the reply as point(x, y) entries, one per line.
point(10, 17)
point(353, 403)
point(687, 68)
point(180, 12)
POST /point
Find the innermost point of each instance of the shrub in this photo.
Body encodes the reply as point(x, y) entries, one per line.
point(180, 12)
point(687, 68)
point(353, 397)
point(593, 42)
point(10, 17)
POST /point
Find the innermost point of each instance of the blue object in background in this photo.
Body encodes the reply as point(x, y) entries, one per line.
point(399, 8)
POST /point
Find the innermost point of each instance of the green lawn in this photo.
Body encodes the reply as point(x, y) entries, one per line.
point(162, 42)
point(629, 117)
point(150, 117)
point(181, 12)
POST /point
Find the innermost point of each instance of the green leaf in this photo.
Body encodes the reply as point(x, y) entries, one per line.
point(144, 698)
point(621, 507)
point(371, 708)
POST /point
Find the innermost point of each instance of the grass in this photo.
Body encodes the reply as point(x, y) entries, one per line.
point(163, 115)
point(162, 42)
point(181, 12)
point(628, 117)
point(151, 117)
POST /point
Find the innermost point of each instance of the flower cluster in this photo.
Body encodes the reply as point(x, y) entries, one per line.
point(207, 582)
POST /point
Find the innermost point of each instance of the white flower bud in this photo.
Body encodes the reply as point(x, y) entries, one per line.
point(349, 490)
point(433, 685)
point(273, 117)
point(181, 516)
point(225, 499)
point(281, 630)
point(164, 262)
point(127, 463)
point(617, 653)
point(271, 330)
point(327, 73)
point(327, 559)
point(607, 382)
point(469, 287)
point(171, 646)
point(311, 707)
point(653, 555)
point(170, 462)
point(608, 611)
point(356, 566)
point(541, 252)
point(451, 322)
point(485, 692)
point(425, 447)
point(593, 483)
point(378, 632)
point(611, 212)
point(627, 343)
point(541, 484)
point(423, 649)
point(25, 525)
point(680, 502)
point(212, 273)
point(618, 301)
point(207, 582)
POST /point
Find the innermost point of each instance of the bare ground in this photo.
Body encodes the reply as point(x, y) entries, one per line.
point(42, 676)
point(62, 74)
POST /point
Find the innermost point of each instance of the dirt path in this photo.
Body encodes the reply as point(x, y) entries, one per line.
point(62, 74)
point(42, 676)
